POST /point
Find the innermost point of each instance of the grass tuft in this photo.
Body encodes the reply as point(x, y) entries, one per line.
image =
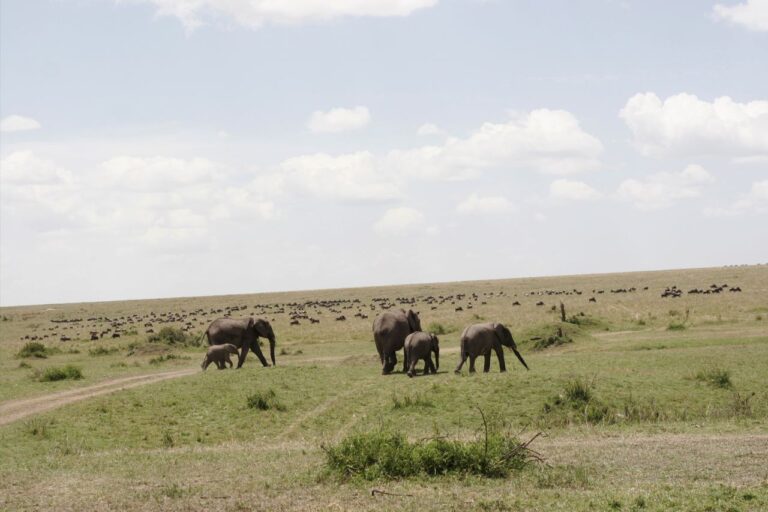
point(34, 349)
point(411, 401)
point(174, 336)
point(389, 455)
point(55, 373)
point(715, 377)
point(264, 401)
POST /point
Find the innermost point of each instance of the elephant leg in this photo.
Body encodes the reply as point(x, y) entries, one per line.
point(219, 364)
point(243, 353)
point(462, 359)
point(229, 361)
point(412, 369)
point(390, 360)
point(257, 350)
point(429, 366)
point(500, 354)
point(472, 363)
point(206, 362)
point(487, 362)
point(405, 361)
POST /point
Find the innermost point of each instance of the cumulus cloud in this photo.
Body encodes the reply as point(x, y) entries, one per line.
point(400, 221)
point(572, 190)
point(752, 14)
point(476, 204)
point(429, 129)
point(256, 13)
point(684, 125)
point(664, 189)
point(349, 177)
point(547, 141)
point(339, 120)
point(15, 123)
point(158, 201)
point(756, 201)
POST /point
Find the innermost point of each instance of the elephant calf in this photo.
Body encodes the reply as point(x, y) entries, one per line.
point(219, 354)
point(420, 345)
point(479, 339)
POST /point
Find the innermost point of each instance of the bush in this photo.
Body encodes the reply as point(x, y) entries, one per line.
point(102, 351)
point(33, 349)
point(715, 377)
point(174, 336)
point(55, 373)
point(676, 326)
point(377, 455)
point(265, 400)
point(437, 328)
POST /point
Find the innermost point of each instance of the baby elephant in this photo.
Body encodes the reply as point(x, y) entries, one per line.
point(219, 354)
point(420, 345)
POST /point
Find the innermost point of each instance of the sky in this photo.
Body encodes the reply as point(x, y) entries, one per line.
point(166, 148)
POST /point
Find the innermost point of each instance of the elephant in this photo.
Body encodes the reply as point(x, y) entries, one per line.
point(479, 339)
point(219, 354)
point(420, 345)
point(389, 332)
point(244, 334)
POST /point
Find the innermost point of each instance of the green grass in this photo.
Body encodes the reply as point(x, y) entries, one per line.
point(264, 401)
point(54, 373)
point(629, 424)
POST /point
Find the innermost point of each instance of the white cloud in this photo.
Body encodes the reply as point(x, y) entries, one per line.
point(752, 14)
point(14, 123)
point(429, 129)
point(572, 190)
point(664, 189)
point(756, 201)
point(339, 120)
point(687, 126)
point(476, 204)
point(256, 13)
point(351, 177)
point(26, 168)
point(157, 173)
point(548, 141)
point(400, 221)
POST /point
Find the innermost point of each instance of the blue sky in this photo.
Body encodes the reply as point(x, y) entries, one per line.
point(155, 148)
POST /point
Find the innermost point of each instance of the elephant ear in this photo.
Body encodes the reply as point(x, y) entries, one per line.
point(413, 321)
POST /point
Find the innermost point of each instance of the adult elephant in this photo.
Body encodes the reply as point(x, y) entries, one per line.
point(480, 339)
point(389, 332)
point(244, 334)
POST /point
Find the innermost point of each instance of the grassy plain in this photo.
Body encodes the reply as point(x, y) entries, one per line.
point(676, 419)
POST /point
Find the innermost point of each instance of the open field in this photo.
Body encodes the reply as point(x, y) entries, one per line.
point(677, 417)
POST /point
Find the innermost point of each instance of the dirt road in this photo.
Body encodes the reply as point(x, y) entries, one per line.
point(14, 410)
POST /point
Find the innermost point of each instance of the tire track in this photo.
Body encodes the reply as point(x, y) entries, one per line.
point(14, 410)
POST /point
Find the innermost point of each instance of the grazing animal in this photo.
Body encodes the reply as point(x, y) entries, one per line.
point(219, 354)
point(389, 332)
point(421, 345)
point(480, 339)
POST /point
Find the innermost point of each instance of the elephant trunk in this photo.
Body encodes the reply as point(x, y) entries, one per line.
point(520, 358)
point(437, 359)
point(272, 350)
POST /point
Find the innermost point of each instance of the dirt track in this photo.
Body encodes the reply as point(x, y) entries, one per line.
point(14, 410)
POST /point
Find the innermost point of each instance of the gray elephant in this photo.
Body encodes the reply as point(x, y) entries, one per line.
point(389, 331)
point(420, 345)
point(479, 339)
point(244, 334)
point(219, 354)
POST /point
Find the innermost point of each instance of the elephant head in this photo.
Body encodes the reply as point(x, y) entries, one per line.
point(264, 329)
point(413, 321)
point(435, 347)
point(505, 338)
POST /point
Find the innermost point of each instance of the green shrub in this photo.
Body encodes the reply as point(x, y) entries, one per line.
point(165, 357)
point(676, 326)
point(33, 349)
point(174, 336)
point(55, 373)
point(371, 456)
point(715, 377)
point(265, 400)
point(102, 351)
point(437, 328)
